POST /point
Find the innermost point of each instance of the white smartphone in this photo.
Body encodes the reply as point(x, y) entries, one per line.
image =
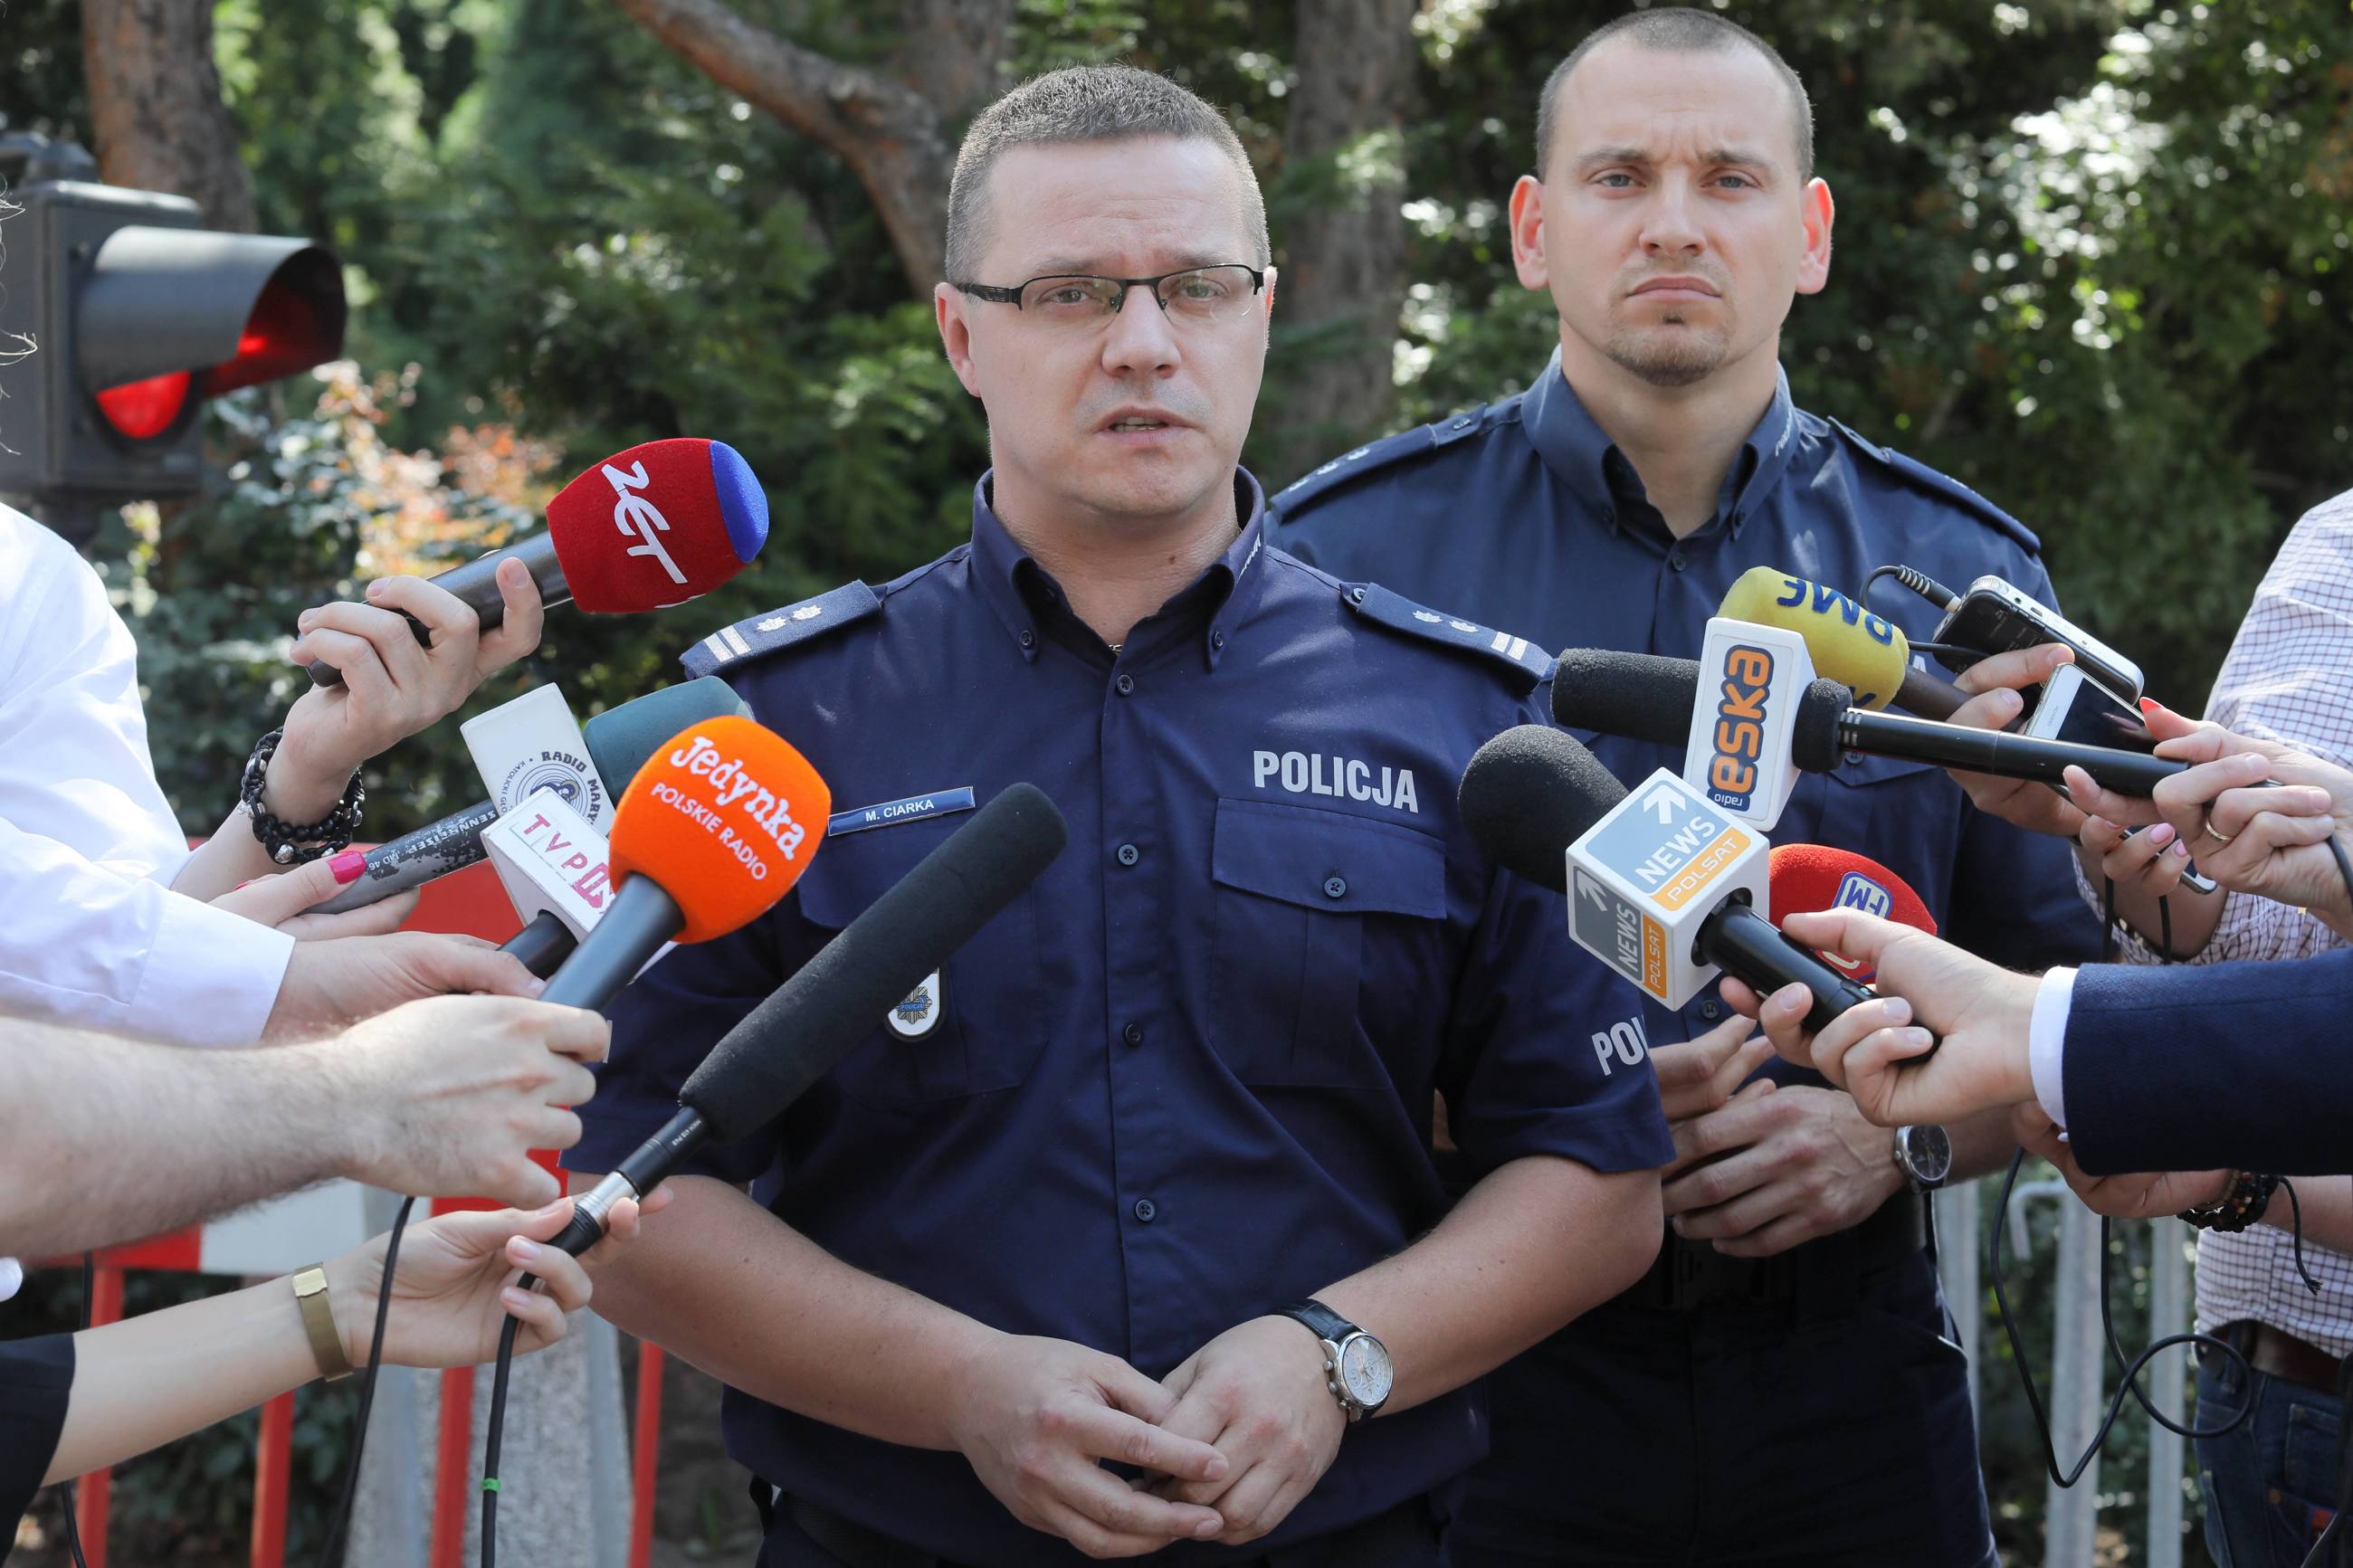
point(2078, 709)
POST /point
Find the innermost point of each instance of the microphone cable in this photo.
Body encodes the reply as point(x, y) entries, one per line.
point(329, 1556)
point(73, 1525)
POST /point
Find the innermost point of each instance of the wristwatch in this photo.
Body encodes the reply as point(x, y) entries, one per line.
point(1925, 1154)
point(1355, 1366)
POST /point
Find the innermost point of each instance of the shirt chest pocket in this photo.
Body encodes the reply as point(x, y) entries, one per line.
point(976, 1025)
point(1880, 805)
point(1312, 907)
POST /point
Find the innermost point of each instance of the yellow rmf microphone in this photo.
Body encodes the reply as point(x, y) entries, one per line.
point(1849, 644)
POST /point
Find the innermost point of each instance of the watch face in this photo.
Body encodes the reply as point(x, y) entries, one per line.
point(1928, 1148)
point(1365, 1370)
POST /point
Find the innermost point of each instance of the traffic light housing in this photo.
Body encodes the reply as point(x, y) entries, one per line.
point(134, 315)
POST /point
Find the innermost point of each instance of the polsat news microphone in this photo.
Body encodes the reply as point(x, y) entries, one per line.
point(644, 529)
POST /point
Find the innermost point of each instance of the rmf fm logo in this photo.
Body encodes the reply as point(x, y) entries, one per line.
point(1857, 891)
point(1738, 739)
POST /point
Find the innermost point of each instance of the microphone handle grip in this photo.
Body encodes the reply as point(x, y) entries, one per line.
point(1928, 696)
point(634, 1178)
point(1751, 949)
point(476, 584)
point(642, 918)
point(543, 945)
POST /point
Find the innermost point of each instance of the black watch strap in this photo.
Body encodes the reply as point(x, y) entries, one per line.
point(1325, 1323)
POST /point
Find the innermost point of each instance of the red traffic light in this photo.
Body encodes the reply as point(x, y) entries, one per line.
point(143, 410)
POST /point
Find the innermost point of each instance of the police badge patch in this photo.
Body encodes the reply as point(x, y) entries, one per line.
point(915, 1018)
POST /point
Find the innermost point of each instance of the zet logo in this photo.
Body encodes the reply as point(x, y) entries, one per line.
point(635, 516)
point(1738, 739)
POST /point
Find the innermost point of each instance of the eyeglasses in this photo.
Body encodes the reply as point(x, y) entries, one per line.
point(1204, 294)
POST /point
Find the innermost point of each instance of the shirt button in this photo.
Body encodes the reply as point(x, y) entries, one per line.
point(1125, 684)
point(1675, 559)
point(1334, 887)
point(1029, 637)
point(1145, 1209)
point(1711, 1009)
point(1133, 1033)
point(1217, 639)
point(1129, 855)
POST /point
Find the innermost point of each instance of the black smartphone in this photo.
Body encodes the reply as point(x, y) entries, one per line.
point(1994, 618)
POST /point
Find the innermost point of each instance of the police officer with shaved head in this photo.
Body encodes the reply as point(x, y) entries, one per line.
point(1783, 1385)
point(1122, 1235)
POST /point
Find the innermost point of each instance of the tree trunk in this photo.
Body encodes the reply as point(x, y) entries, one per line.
point(1342, 282)
point(156, 106)
point(889, 129)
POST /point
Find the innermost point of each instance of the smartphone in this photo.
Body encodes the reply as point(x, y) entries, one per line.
point(2076, 708)
point(1994, 618)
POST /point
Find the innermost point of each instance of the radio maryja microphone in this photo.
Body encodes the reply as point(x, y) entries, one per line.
point(1738, 753)
point(716, 827)
point(533, 743)
point(655, 526)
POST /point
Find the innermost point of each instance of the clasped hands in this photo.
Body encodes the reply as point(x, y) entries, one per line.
point(1225, 1446)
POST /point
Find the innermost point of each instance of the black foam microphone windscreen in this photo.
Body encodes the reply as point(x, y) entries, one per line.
point(1528, 794)
point(838, 997)
point(1638, 696)
point(1814, 738)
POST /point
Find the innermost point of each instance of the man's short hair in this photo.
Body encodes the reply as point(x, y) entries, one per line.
point(1084, 104)
point(1681, 28)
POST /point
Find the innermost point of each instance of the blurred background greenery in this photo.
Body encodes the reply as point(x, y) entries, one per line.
point(2092, 260)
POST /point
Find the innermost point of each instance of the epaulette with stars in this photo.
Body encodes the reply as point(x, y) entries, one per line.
point(771, 631)
point(1527, 663)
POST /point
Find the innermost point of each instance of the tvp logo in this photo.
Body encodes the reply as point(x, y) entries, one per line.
point(1737, 751)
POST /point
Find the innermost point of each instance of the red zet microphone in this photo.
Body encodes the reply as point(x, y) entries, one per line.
point(646, 528)
point(1809, 878)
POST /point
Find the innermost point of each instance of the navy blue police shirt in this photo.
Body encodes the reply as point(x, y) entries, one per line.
point(1187, 1076)
point(1524, 514)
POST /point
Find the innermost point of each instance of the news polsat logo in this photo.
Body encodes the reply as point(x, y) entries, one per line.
point(1734, 764)
point(725, 795)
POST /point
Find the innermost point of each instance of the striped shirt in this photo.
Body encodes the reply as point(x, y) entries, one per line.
point(2289, 678)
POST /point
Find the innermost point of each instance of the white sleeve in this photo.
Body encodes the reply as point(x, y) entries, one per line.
point(2046, 1041)
point(84, 945)
point(74, 765)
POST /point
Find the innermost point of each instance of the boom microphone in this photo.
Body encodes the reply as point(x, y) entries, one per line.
point(1849, 644)
point(657, 525)
point(813, 1020)
point(1662, 887)
point(717, 826)
point(618, 740)
point(1644, 697)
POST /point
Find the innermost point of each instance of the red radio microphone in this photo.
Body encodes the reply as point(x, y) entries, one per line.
point(646, 528)
point(715, 828)
point(1808, 878)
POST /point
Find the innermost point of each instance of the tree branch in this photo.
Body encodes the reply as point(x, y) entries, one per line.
point(888, 134)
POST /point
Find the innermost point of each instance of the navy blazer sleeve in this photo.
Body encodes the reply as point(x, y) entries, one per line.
point(2246, 1065)
point(35, 1382)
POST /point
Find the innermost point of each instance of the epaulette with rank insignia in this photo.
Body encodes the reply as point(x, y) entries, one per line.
point(756, 636)
point(1527, 662)
point(1375, 455)
point(1919, 476)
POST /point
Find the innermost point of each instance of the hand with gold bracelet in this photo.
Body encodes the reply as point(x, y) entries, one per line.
point(148, 1380)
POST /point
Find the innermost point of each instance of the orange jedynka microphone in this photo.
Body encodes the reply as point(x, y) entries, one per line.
point(717, 826)
point(1808, 878)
